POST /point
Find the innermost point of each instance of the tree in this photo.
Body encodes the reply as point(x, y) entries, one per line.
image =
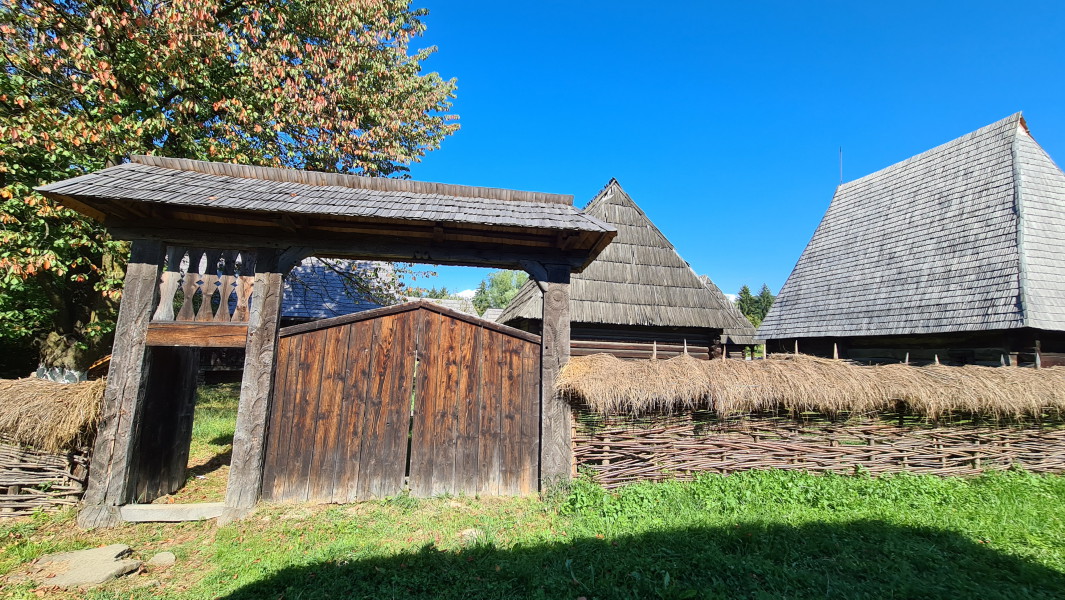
point(755, 308)
point(318, 85)
point(498, 289)
point(748, 305)
point(765, 302)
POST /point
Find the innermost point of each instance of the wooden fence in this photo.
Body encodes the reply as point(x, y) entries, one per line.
point(31, 480)
point(619, 450)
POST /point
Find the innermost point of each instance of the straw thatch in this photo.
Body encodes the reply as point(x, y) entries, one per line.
point(638, 280)
point(49, 416)
point(800, 383)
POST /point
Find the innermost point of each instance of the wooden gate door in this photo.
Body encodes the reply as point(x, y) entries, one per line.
point(411, 395)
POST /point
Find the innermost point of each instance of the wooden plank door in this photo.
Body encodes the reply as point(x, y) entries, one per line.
point(339, 426)
point(476, 420)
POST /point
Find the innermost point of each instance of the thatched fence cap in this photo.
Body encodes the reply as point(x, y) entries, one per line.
point(50, 416)
point(799, 383)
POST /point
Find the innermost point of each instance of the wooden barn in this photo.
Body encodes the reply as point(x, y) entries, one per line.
point(954, 254)
point(639, 297)
point(410, 397)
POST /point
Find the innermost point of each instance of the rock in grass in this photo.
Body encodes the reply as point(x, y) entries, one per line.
point(83, 568)
point(163, 559)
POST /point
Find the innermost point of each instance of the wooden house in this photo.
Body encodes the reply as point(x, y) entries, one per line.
point(639, 297)
point(954, 254)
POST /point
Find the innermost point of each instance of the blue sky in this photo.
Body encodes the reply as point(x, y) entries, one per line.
point(724, 121)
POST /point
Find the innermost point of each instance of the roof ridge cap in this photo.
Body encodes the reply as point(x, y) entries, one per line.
point(348, 180)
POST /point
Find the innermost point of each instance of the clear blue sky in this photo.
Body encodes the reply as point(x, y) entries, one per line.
point(724, 121)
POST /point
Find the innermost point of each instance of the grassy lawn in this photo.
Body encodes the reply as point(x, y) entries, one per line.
point(754, 535)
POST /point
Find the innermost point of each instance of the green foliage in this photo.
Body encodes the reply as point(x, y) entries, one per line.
point(498, 289)
point(755, 308)
point(321, 85)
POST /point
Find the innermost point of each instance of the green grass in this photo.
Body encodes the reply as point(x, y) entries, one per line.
point(753, 535)
point(212, 445)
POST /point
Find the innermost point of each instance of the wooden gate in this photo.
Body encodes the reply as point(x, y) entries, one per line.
point(414, 394)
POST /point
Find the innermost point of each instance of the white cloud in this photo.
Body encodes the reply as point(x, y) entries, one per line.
point(732, 298)
point(467, 294)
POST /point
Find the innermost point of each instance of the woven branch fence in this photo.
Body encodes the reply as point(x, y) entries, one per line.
point(32, 480)
point(618, 450)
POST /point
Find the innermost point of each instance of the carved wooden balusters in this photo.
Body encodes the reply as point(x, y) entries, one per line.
point(205, 286)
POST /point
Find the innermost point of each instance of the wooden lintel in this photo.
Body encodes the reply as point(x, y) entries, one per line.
point(200, 335)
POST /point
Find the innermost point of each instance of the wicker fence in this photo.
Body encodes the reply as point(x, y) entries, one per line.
point(31, 480)
point(619, 450)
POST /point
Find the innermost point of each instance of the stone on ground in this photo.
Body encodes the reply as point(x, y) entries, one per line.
point(83, 568)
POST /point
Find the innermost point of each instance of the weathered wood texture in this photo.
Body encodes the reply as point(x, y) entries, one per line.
point(198, 335)
point(162, 449)
point(32, 481)
point(358, 402)
point(203, 285)
point(556, 454)
point(249, 438)
point(123, 402)
point(638, 350)
point(619, 450)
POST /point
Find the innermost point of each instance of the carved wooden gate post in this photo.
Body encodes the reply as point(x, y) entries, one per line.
point(256, 388)
point(109, 471)
point(556, 452)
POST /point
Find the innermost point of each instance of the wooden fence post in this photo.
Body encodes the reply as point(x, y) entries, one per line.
point(123, 405)
point(256, 388)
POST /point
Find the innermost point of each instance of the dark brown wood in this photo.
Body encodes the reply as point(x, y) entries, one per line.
point(256, 391)
point(198, 335)
point(369, 315)
point(361, 343)
point(556, 454)
point(468, 426)
point(162, 450)
point(529, 408)
point(304, 418)
point(491, 391)
point(123, 403)
point(382, 468)
point(475, 401)
point(280, 431)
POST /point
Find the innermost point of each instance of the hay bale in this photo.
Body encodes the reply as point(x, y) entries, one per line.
point(800, 383)
point(53, 417)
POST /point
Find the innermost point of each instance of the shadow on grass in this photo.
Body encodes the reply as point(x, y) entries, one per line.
point(216, 462)
point(864, 559)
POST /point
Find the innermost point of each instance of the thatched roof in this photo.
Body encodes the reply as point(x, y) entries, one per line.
point(740, 332)
point(50, 416)
point(639, 279)
point(964, 237)
point(804, 383)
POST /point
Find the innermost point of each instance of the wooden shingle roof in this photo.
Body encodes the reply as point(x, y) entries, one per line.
point(639, 279)
point(964, 237)
point(315, 289)
point(343, 216)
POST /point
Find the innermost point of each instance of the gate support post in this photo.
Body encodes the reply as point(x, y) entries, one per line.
point(556, 452)
point(257, 383)
point(123, 405)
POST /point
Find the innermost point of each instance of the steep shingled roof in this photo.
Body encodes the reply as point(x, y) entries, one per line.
point(639, 279)
point(317, 289)
point(964, 237)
